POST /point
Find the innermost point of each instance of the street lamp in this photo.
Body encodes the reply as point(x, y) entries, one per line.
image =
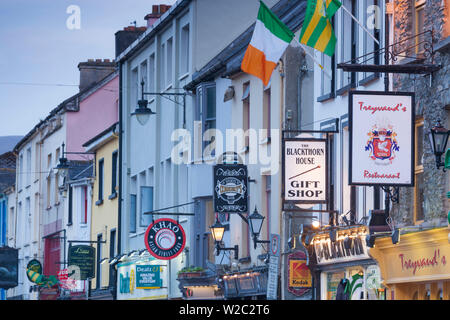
point(255, 220)
point(142, 112)
point(217, 231)
point(438, 138)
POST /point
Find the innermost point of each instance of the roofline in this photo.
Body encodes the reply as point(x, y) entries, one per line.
point(111, 129)
point(147, 35)
point(80, 94)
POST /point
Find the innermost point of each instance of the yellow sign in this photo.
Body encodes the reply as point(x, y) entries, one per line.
point(299, 274)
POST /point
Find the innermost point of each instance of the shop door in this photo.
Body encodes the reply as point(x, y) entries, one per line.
point(52, 256)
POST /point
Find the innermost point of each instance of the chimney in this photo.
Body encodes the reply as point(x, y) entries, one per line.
point(157, 12)
point(93, 71)
point(126, 37)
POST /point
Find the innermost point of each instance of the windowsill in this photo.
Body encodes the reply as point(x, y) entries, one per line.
point(369, 79)
point(169, 86)
point(28, 186)
point(57, 204)
point(48, 208)
point(345, 89)
point(245, 260)
point(69, 224)
point(19, 191)
point(37, 180)
point(326, 97)
point(245, 149)
point(133, 234)
point(83, 225)
point(184, 76)
point(112, 196)
point(265, 141)
point(99, 202)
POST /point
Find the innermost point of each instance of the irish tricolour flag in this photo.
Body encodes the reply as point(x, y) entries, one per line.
point(269, 41)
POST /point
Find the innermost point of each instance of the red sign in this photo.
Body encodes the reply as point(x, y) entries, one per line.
point(165, 239)
point(64, 280)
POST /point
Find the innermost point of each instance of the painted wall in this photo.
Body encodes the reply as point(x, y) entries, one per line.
point(98, 111)
point(104, 215)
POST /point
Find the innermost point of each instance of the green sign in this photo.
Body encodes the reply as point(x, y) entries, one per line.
point(83, 257)
point(148, 276)
point(34, 266)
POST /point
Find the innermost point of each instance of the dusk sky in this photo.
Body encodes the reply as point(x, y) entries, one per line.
point(39, 54)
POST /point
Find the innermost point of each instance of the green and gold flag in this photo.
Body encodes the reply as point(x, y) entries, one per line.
point(317, 31)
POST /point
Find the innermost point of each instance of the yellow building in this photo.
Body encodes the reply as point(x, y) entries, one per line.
point(104, 219)
point(416, 268)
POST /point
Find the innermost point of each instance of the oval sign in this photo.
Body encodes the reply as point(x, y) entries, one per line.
point(165, 239)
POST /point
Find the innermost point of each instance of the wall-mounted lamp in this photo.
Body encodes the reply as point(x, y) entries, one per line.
point(143, 113)
point(438, 138)
point(217, 231)
point(255, 220)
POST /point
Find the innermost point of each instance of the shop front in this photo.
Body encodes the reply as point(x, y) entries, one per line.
point(144, 279)
point(246, 284)
point(417, 267)
point(343, 268)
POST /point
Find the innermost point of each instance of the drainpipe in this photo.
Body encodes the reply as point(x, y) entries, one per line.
point(119, 211)
point(280, 207)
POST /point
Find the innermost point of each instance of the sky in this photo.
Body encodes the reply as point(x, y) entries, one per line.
point(39, 52)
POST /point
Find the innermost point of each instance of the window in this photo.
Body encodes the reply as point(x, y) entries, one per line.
point(329, 63)
point(84, 205)
point(268, 185)
point(49, 190)
point(133, 200)
point(114, 174)
point(70, 215)
point(206, 109)
point(163, 67)
point(112, 254)
point(184, 50)
point(146, 205)
point(144, 77)
point(349, 47)
point(419, 24)
point(20, 174)
point(419, 212)
point(372, 16)
point(36, 161)
point(201, 237)
point(101, 163)
point(266, 110)
point(151, 83)
point(134, 88)
point(28, 221)
point(246, 111)
point(98, 278)
point(56, 190)
point(169, 63)
point(28, 174)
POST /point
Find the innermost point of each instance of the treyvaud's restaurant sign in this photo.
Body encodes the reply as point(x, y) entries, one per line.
point(381, 138)
point(305, 170)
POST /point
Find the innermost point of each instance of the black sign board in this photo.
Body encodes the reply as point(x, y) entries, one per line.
point(230, 188)
point(9, 265)
point(83, 256)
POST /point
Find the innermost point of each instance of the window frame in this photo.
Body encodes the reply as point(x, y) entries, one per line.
point(418, 169)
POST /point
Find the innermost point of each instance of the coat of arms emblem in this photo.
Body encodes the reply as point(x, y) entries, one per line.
point(382, 144)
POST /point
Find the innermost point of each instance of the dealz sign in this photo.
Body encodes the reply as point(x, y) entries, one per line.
point(381, 146)
point(230, 188)
point(165, 239)
point(305, 170)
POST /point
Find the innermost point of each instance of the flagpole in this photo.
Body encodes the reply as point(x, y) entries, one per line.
point(360, 24)
point(312, 57)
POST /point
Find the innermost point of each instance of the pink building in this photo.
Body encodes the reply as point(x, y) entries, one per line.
point(97, 108)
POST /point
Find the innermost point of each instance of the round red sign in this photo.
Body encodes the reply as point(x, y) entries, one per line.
point(165, 239)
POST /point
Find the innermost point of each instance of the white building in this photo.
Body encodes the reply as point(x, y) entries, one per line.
point(166, 56)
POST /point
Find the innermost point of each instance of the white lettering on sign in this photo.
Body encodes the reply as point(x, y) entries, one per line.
point(305, 170)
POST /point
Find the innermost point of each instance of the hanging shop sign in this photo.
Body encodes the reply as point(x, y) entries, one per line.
point(230, 188)
point(9, 265)
point(148, 276)
point(381, 147)
point(165, 239)
point(82, 257)
point(305, 170)
point(65, 281)
point(299, 275)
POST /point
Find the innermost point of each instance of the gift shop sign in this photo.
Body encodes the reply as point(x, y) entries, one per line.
point(305, 170)
point(381, 146)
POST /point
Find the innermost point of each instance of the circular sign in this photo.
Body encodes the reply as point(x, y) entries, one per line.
point(165, 239)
